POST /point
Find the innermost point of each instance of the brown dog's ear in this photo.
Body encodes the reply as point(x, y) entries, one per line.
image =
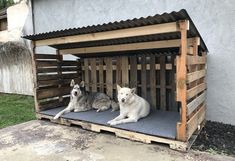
point(118, 87)
point(72, 83)
point(82, 84)
point(133, 90)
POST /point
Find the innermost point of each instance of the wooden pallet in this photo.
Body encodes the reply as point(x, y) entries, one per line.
point(173, 144)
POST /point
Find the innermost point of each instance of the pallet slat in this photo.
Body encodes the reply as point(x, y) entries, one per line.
point(133, 71)
point(125, 71)
point(196, 120)
point(101, 74)
point(86, 67)
point(195, 75)
point(143, 77)
point(192, 60)
point(162, 83)
point(152, 81)
point(53, 92)
point(195, 103)
point(195, 90)
point(93, 75)
point(46, 56)
point(109, 77)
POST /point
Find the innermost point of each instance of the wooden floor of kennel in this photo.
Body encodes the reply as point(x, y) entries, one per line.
point(188, 87)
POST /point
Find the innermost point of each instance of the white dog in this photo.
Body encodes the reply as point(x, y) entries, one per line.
point(132, 106)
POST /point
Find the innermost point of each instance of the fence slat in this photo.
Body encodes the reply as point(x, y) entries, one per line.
point(195, 103)
point(109, 77)
point(133, 71)
point(86, 67)
point(101, 74)
point(152, 81)
point(125, 71)
point(162, 82)
point(93, 75)
point(143, 77)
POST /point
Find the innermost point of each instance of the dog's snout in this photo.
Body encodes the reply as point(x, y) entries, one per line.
point(123, 100)
point(75, 93)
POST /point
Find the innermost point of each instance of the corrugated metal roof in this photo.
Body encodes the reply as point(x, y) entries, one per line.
point(150, 20)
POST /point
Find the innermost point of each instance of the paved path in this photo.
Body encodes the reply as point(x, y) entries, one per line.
point(45, 141)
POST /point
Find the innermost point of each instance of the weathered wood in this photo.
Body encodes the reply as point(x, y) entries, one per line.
point(195, 90)
point(55, 82)
point(133, 71)
point(130, 32)
point(53, 92)
point(125, 47)
point(143, 77)
point(46, 63)
point(69, 63)
point(195, 75)
point(162, 82)
point(53, 103)
point(101, 74)
point(118, 70)
point(109, 76)
point(86, 67)
point(181, 90)
point(192, 60)
point(173, 105)
point(195, 103)
point(55, 76)
point(194, 123)
point(34, 70)
point(55, 70)
point(93, 75)
point(152, 81)
point(125, 71)
point(157, 66)
point(60, 59)
point(46, 56)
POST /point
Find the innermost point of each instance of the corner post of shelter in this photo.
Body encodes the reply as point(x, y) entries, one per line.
point(181, 88)
point(34, 70)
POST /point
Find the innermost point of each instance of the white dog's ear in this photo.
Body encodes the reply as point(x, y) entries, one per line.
point(118, 87)
point(82, 84)
point(72, 83)
point(133, 90)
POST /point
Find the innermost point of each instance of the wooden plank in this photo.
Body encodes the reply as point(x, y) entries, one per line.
point(55, 82)
point(60, 59)
point(195, 103)
point(55, 76)
point(53, 92)
point(133, 71)
point(195, 90)
point(86, 67)
point(192, 60)
point(152, 81)
point(109, 76)
point(46, 63)
point(53, 103)
point(93, 75)
point(125, 71)
point(53, 70)
point(194, 123)
point(126, 47)
point(143, 77)
point(114, 34)
point(157, 66)
point(162, 83)
point(195, 75)
point(101, 74)
point(118, 71)
point(173, 105)
point(34, 67)
point(46, 56)
point(181, 90)
point(69, 63)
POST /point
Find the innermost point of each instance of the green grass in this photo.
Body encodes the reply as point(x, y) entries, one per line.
point(15, 109)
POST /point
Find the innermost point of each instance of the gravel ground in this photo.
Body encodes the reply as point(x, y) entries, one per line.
point(216, 138)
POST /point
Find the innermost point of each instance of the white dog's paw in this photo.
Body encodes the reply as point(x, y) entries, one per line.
point(56, 117)
point(109, 122)
point(113, 123)
point(98, 110)
point(76, 110)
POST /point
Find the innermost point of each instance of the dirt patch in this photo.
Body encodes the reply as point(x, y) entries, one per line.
point(216, 138)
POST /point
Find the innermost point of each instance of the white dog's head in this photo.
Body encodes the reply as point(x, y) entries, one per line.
point(125, 95)
point(77, 89)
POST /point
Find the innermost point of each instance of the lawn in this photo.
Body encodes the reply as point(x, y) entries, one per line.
point(15, 109)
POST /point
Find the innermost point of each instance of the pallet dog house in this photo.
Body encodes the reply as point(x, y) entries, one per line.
point(163, 56)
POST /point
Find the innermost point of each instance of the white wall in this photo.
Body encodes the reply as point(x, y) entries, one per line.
point(213, 18)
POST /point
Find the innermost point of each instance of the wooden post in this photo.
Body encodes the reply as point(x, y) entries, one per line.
point(181, 89)
point(34, 70)
point(59, 71)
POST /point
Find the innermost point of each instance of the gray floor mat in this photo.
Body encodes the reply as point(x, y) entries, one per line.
point(158, 123)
